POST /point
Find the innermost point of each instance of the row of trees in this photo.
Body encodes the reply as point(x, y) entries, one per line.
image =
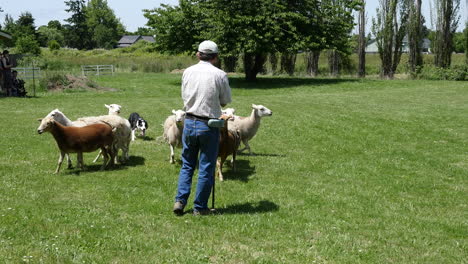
point(257, 29)
point(261, 29)
point(399, 18)
point(90, 25)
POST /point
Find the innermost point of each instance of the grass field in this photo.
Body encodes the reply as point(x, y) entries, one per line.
point(345, 171)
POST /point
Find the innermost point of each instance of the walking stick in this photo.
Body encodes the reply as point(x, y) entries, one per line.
point(213, 195)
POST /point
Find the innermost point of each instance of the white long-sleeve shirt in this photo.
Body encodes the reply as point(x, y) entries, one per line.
point(204, 89)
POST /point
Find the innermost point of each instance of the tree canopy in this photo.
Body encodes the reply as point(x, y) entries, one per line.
point(253, 28)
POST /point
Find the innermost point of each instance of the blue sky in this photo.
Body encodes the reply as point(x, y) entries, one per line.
point(130, 12)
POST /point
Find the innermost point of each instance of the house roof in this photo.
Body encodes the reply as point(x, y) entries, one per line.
point(129, 39)
point(4, 35)
point(148, 38)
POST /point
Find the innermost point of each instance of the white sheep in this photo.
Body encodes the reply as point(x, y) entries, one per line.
point(248, 126)
point(122, 134)
point(173, 128)
point(114, 109)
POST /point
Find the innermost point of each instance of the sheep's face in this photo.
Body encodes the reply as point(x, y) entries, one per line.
point(229, 112)
point(57, 116)
point(179, 115)
point(46, 124)
point(114, 109)
point(262, 110)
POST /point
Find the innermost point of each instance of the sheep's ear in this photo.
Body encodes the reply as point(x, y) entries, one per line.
point(106, 106)
point(173, 111)
point(39, 119)
point(254, 106)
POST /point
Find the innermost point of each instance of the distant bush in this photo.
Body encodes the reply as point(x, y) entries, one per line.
point(28, 45)
point(53, 45)
point(455, 73)
point(53, 79)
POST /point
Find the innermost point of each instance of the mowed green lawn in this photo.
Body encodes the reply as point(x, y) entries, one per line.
point(345, 171)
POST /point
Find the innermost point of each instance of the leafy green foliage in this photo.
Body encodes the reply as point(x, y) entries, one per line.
point(53, 45)
point(27, 45)
point(47, 34)
point(104, 27)
point(252, 28)
point(175, 27)
point(77, 34)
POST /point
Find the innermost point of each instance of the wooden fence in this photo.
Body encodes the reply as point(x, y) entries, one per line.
point(97, 70)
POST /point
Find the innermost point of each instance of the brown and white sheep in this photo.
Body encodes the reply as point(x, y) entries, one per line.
point(80, 139)
point(229, 142)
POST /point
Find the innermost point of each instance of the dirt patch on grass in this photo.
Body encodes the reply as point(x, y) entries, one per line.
point(70, 82)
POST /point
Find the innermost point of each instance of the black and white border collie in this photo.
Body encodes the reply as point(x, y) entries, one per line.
point(137, 123)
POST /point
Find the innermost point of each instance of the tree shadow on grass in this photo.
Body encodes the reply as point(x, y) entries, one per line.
point(268, 82)
point(96, 167)
point(134, 161)
point(263, 206)
point(242, 173)
point(239, 82)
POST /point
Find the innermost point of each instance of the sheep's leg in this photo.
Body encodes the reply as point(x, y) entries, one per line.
point(98, 156)
point(172, 155)
point(111, 152)
point(246, 144)
point(106, 157)
point(79, 156)
point(233, 161)
point(60, 160)
point(219, 164)
point(70, 165)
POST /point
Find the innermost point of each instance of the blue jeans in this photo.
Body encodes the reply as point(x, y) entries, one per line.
point(198, 138)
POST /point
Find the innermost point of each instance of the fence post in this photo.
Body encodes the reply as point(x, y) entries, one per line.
point(34, 80)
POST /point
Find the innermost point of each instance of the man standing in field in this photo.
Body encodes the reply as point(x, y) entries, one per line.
point(205, 89)
point(6, 65)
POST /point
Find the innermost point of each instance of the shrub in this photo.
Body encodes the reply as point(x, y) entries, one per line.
point(456, 73)
point(28, 45)
point(53, 45)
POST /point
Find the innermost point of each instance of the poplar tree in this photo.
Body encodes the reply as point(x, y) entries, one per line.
point(362, 41)
point(389, 28)
point(446, 25)
point(415, 36)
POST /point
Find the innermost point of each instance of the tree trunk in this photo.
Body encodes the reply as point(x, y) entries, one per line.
point(415, 37)
point(312, 62)
point(230, 63)
point(362, 42)
point(288, 62)
point(273, 62)
point(334, 63)
point(446, 14)
point(253, 64)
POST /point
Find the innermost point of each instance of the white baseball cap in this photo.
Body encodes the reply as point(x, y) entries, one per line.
point(208, 47)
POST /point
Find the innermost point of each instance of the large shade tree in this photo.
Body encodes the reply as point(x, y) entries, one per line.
point(104, 27)
point(77, 34)
point(251, 29)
